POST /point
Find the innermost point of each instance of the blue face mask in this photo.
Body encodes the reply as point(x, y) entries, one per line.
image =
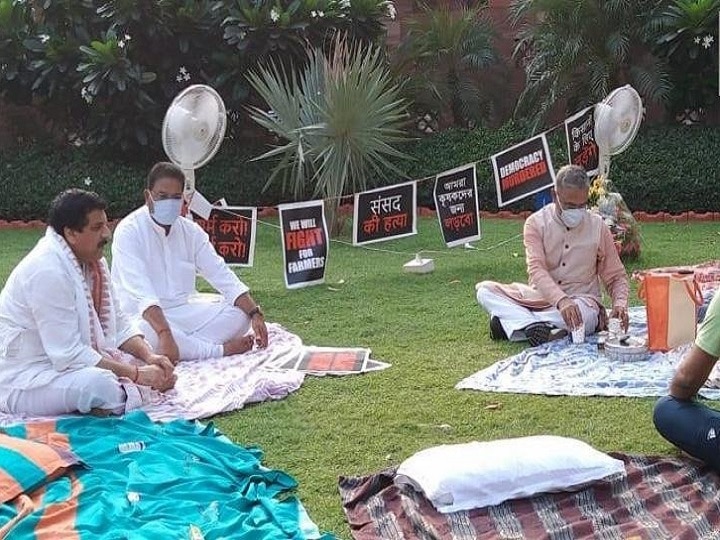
point(166, 211)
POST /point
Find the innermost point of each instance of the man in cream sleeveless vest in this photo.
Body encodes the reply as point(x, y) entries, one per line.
point(569, 253)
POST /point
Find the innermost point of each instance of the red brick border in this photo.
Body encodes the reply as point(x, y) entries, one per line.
point(270, 211)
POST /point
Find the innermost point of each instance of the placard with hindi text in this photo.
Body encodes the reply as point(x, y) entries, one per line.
point(385, 213)
point(456, 205)
point(232, 233)
point(580, 135)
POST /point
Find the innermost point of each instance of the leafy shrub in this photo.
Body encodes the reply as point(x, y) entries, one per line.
point(657, 173)
point(111, 71)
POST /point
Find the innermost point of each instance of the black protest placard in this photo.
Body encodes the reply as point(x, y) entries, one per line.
point(305, 243)
point(385, 213)
point(456, 204)
point(580, 135)
point(232, 233)
point(523, 170)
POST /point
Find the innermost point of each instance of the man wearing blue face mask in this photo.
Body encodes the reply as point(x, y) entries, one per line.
point(569, 253)
point(156, 255)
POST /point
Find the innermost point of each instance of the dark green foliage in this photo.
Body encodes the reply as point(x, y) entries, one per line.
point(107, 71)
point(671, 169)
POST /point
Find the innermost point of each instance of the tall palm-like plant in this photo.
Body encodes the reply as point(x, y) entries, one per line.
point(442, 58)
point(687, 38)
point(340, 117)
point(579, 50)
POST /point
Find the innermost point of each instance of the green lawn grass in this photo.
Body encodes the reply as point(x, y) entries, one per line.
point(432, 331)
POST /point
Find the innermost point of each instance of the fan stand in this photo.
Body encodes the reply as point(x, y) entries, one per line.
point(189, 188)
point(603, 164)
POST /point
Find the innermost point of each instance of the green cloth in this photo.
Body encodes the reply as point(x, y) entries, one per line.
point(187, 474)
point(708, 337)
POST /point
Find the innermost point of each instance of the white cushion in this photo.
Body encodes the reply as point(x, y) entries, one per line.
point(478, 474)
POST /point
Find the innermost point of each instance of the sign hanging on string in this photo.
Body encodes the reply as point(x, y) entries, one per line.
point(523, 170)
point(456, 204)
point(232, 233)
point(580, 135)
point(385, 213)
point(305, 243)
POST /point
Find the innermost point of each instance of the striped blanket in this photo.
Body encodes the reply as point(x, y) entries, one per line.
point(661, 498)
point(183, 480)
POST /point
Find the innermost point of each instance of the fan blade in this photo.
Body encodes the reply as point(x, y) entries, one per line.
point(194, 126)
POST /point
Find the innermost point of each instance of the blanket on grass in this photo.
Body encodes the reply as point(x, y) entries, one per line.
point(205, 388)
point(189, 481)
point(563, 368)
point(661, 498)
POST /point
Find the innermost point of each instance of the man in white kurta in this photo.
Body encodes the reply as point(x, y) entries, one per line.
point(61, 335)
point(156, 256)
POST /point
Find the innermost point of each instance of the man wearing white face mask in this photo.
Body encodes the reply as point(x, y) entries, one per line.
point(157, 254)
point(569, 252)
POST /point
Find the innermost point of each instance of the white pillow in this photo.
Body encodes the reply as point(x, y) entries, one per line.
point(477, 474)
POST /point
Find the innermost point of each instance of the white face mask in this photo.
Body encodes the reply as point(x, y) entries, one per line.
point(166, 211)
point(571, 217)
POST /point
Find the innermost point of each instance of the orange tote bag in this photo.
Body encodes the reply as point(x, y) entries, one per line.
point(671, 301)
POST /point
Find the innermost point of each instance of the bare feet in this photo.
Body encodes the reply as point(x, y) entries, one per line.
point(238, 345)
point(102, 413)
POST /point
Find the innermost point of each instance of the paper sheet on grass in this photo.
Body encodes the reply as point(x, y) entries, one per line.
point(320, 361)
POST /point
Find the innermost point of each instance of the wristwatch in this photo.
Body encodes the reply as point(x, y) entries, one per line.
point(255, 311)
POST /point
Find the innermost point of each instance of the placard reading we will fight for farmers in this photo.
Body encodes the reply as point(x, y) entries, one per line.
point(305, 243)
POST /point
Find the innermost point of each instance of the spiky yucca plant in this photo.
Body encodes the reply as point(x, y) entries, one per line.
point(340, 118)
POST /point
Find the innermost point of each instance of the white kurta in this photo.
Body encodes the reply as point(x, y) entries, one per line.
point(152, 268)
point(45, 325)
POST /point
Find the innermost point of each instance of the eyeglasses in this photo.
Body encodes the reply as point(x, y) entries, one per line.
point(165, 196)
point(571, 206)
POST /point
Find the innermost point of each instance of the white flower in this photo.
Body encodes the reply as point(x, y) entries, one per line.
point(344, 4)
point(121, 44)
point(707, 40)
point(274, 15)
point(391, 11)
point(186, 77)
point(87, 181)
point(313, 14)
point(179, 78)
point(86, 95)
point(697, 40)
point(44, 38)
point(183, 70)
point(127, 37)
point(242, 35)
point(321, 13)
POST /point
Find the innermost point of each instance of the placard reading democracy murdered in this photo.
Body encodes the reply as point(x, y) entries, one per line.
point(456, 203)
point(385, 213)
point(523, 170)
point(580, 135)
point(305, 243)
point(232, 233)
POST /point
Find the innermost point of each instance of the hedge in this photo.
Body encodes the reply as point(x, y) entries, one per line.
point(671, 169)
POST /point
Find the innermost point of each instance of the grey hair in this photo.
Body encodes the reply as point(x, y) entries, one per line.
point(572, 176)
